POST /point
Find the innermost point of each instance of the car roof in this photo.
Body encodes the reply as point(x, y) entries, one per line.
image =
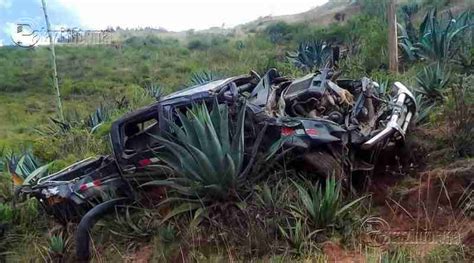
point(197, 88)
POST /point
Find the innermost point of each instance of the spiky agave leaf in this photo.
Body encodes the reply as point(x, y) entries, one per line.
point(433, 80)
point(311, 55)
point(55, 127)
point(25, 169)
point(204, 77)
point(22, 165)
point(424, 108)
point(97, 118)
point(206, 159)
point(57, 244)
point(437, 39)
point(154, 90)
point(322, 206)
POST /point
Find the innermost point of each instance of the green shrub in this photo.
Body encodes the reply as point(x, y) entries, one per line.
point(279, 32)
point(78, 142)
point(149, 40)
point(376, 8)
point(26, 215)
point(397, 255)
point(6, 193)
point(353, 66)
point(448, 253)
point(371, 37)
point(6, 213)
point(198, 44)
point(435, 3)
point(460, 116)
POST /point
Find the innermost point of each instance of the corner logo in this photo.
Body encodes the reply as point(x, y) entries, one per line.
point(26, 33)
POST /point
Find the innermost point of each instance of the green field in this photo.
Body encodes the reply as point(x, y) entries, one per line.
point(270, 220)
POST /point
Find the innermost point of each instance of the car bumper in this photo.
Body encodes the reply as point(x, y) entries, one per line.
point(403, 112)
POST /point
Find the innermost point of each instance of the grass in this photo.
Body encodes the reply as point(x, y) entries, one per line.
point(273, 221)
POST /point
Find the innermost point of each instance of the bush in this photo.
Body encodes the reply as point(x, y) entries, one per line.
point(198, 44)
point(137, 42)
point(371, 36)
point(77, 142)
point(6, 213)
point(376, 8)
point(279, 32)
point(205, 42)
point(460, 115)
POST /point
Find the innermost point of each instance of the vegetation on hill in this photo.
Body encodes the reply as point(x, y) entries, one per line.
point(283, 215)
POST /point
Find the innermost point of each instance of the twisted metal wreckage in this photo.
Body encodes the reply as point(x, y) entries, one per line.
point(329, 125)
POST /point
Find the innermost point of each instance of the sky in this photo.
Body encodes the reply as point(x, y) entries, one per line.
point(172, 15)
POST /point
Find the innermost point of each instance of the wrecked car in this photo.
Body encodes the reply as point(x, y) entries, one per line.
point(329, 125)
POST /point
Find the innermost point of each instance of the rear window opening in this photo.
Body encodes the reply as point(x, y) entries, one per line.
point(138, 134)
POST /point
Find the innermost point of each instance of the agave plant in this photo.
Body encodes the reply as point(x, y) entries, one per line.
point(384, 89)
point(55, 127)
point(311, 55)
point(272, 197)
point(408, 11)
point(206, 159)
point(436, 38)
point(154, 90)
point(203, 77)
point(57, 245)
point(135, 223)
point(433, 80)
point(424, 108)
point(97, 118)
point(25, 169)
point(323, 208)
point(296, 235)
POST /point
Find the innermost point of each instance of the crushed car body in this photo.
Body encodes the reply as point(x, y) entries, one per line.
point(331, 126)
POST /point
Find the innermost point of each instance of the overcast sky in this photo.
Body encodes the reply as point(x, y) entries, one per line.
point(174, 15)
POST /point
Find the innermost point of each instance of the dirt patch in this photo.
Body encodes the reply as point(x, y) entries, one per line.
point(431, 200)
point(142, 255)
point(335, 253)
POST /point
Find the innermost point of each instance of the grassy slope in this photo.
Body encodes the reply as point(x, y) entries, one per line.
point(91, 75)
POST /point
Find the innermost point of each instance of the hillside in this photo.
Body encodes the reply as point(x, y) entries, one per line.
point(414, 206)
point(324, 15)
